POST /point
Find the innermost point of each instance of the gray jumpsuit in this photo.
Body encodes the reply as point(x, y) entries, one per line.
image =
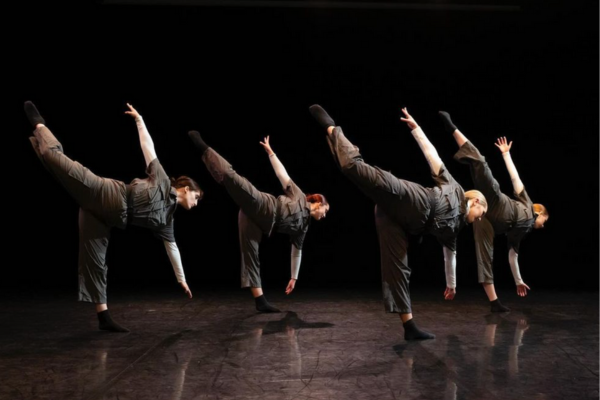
point(402, 208)
point(260, 213)
point(513, 217)
point(106, 203)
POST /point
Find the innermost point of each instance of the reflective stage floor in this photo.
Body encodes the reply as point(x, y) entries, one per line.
point(325, 345)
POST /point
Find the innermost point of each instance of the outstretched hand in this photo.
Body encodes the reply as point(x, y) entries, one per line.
point(186, 289)
point(449, 293)
point(410, 121)
point(501, 144)
point(267, 146)
point(522, 289)
point(132, 111)
point(290, 286)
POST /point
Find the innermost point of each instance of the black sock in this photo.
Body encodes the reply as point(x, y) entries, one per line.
point(411, 332)
point(450, 127)
point(33, 114)
point(496, 306)
point(263, 305)
point(321, 116)
point(197, 139)
point(106, 323)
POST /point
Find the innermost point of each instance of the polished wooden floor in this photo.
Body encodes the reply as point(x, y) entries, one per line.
point(326, 344)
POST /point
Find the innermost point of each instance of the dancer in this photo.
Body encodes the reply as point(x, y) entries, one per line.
point(513, 217)
point(262, 213)
point(106, 203)
point(404, 208)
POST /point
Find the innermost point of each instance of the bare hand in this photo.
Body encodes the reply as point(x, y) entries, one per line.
point(410, 121)
point(522, 289)
point(501, 144)
point(267, 146)
point(132, 111)
point(186, 289)
point(290, 286)
point(449, 293)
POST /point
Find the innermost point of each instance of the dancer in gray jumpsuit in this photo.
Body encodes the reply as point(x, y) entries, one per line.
point(106, 203)
point(513, 217)
point(262, 213)
point(404, 208)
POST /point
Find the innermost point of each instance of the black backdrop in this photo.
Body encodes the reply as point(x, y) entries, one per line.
point(240, 73)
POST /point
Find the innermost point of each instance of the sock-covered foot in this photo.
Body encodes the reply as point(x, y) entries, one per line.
point(321, 116)
point(496, 306)
point(106, 323)
point(411, 332)
point(448, 125)
point(263, 305)
point(33, 114)
point(197, 139)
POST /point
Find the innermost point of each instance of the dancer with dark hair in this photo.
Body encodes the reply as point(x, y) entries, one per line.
point(107, 203)
point(262, 213)
point(404, 208)
point(513, 217)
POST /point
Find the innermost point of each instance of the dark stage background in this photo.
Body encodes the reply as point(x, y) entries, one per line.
point(237, 74)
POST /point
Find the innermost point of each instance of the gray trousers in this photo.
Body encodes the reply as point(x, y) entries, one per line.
point(395, 272)
point(103, 205)
point(498, 208)
point(389, 193)
point(250, 237)
point(484, 249)
point(256, 217)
